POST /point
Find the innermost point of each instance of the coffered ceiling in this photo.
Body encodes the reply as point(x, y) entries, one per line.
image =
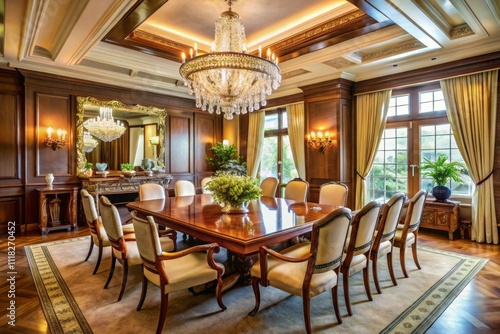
point(138, 43)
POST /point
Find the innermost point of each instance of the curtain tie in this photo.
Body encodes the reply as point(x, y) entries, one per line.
point(486, 178)
point(361, 176)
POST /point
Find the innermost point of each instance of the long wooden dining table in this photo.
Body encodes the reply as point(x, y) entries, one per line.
point(269, 221)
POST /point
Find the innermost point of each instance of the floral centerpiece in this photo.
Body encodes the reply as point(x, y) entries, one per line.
point(233, 192)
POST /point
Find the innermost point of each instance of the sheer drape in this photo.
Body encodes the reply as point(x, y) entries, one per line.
point(371, 117)
point(295, 114)
point(255, 141)
point(471, 106)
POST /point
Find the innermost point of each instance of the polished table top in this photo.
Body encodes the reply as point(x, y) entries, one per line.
point(269, 220)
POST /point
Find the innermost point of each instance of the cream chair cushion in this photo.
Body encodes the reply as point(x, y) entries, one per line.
point(184, 188)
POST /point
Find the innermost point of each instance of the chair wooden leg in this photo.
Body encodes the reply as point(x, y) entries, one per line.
point(124, 279)
point(111, 270)
point(402, 259)
point(256, 292)
point(366, 280)
point(375, 273)
point(99, 257)
point(144, 291)
point(347, 298)
point(335, 299)
point(391, 268)
point(306, 306)
point(90, 248)
point(163, 310)
point(414, 252)
point(218, 293)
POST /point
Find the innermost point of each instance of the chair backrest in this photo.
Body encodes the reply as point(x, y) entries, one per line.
point(269, 186)
point(362, 230)
point(184, 188)
point(389, 219)
point(333, 193)
point(414, 212)
point(149, 191)
point(110, 219)
point(147, 238)
point(89, 207)
point(296, 190)
point(204, 182)
point(328, 237)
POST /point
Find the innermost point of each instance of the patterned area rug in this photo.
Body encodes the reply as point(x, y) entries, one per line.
point(74, 301)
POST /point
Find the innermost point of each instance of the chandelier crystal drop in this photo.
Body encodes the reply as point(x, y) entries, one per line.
point(89, 142)
point(104, 126)
point(228, 80)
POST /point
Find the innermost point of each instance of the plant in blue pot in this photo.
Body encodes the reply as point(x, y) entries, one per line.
point(441, 172)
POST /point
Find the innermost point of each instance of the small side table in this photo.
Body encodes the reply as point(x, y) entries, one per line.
point(59, 205)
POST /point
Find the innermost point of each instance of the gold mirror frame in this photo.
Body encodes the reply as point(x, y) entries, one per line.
point(147, 110)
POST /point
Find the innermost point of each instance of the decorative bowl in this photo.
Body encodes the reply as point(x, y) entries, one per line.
point(128, 173)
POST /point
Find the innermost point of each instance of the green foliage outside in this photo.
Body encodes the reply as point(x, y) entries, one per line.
point(233, 189)
point(268, 165)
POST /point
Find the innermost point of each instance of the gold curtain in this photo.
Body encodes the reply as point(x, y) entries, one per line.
point(295, 115)
point(471, 106)
point(255, 141)
point(371, 117)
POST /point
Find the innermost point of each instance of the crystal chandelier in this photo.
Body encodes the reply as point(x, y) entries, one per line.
point(89, 142)
point(228, 79)
point(104, 126)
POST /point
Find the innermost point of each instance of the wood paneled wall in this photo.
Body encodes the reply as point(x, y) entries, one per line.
point(51, 101)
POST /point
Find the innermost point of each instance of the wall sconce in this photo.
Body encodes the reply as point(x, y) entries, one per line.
point(154, 140)
point(225, 142)
point(318, 142)
point(55, 143)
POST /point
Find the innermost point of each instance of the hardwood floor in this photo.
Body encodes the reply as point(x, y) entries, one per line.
point(475, 310)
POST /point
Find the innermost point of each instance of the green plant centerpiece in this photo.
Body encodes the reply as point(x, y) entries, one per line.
point(225, 160)
point(441, 172)
point(87, 169)
point(234, 192)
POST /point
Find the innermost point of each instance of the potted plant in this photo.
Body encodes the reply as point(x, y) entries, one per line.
point(442, 172)
point(127, 169)
point(225, 160)
point(87, 169)
point(233, 192)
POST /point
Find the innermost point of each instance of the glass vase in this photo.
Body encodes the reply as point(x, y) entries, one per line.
point(235, 208)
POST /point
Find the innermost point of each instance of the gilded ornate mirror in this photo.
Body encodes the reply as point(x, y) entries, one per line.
point(145, 130)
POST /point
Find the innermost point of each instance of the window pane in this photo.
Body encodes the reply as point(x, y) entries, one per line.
point(284, 120)
point(269, 161)
point(271, 122)
point(399, 105)
point(289, 172)
point(431, 101)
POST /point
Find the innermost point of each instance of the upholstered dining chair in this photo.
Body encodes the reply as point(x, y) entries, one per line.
point(383, 240)
point(124, 247)
point(333, 193)
point(98, 235)
point(407, 233)
point(204, 182)
point(269, 186)
point(357, 252)
point(174, 271)
point(150, 191)
point(306, 269)
point(184, 188)
point(296, 190)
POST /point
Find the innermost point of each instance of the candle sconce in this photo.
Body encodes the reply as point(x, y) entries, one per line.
point(55, 143)
point(319, 142)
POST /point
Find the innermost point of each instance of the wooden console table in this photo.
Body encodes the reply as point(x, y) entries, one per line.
point(118, 184)
point(60, 205)
point(443, 216)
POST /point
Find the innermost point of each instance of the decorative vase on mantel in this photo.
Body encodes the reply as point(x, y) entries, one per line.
point(49, 178)
point(235, 208)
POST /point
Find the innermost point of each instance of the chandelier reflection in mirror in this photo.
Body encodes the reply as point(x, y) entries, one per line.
point(229, 80)
point(89, 142)
point(104, 126)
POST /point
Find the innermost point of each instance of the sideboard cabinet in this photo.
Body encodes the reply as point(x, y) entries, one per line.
point(443, 216)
